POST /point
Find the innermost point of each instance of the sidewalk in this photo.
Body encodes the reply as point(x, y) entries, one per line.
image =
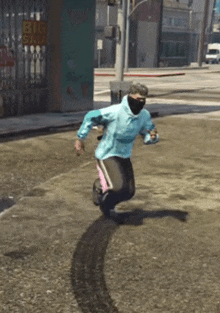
point(53, 122)
point(45, 122)
point(152, 72)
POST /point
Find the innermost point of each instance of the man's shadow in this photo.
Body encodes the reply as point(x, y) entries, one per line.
point(137, 216)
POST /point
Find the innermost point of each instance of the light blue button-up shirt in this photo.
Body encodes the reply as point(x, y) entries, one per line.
point(121, 127)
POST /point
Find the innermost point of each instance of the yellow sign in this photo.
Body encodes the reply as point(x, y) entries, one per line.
point(34, 33)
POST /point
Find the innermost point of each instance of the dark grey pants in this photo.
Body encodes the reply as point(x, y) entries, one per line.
point(119, 176)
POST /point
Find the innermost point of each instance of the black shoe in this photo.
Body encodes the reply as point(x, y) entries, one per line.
point(97, 192)
point(112, 215)
point(104, 210)
point(118, 218)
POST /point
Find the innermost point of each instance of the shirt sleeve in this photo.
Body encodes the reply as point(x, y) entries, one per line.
point(94, 118)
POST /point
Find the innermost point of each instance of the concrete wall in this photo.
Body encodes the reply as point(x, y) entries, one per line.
point(71, 52)
point(147, 45)
point(148, 23)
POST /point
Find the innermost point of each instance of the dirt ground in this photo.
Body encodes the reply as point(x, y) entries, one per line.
point(59, 257)
point(182, 168)
point(26, 163)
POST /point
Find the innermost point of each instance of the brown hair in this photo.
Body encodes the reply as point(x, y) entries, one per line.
point(138, 88)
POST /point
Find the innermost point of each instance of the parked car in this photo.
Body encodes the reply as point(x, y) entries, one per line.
point(213, 53)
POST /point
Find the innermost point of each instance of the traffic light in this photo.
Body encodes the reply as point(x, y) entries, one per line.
point(110, 32)
point(112, 2)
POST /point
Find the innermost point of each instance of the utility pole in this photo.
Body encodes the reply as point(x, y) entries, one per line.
point(120, 88)
point(120, 47)
point(203, 33)
point(127, 36)
point(159, 34)
point(129, 13)
point(212, 22)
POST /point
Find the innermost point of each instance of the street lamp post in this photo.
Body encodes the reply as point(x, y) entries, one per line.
point(127, 36)
point(129, 13)
point(124, 15)
point(119, 87)
point(120, 46)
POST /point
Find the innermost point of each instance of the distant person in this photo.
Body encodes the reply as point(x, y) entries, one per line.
point(121, 123)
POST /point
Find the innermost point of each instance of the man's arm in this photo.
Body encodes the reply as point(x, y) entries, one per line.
point(149, 131)
point(91, 119)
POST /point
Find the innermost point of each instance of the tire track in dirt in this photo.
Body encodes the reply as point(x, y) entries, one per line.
point(87, 272)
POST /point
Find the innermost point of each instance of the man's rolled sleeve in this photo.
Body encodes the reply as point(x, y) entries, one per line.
point(92, 118)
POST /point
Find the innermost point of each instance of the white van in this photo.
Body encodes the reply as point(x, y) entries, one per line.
point(213, 53)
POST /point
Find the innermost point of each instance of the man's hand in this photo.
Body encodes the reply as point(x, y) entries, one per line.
point(153, 134)
point(151, 137)
point(79, 146)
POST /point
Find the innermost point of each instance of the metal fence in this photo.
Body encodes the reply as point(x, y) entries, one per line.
point(23, 64)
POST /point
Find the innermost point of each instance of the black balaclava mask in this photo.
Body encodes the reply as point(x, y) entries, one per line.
point(135, 105)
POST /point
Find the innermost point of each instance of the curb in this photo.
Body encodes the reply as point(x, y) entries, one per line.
point(39, 130)
point(142, 75)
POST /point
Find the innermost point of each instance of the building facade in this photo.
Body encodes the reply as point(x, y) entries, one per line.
point(171, 41)
point(215, 36)
point(175, 39)
point(46, 56)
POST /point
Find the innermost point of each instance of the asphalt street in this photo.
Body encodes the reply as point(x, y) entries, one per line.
point(195, 91)
point(193, 85)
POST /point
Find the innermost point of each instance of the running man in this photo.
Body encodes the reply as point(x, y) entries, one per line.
point(121, 123)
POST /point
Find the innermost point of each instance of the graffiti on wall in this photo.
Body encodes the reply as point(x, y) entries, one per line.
point(6, 57)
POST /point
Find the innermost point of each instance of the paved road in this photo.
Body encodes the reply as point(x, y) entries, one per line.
point(195, 85)
point(196, 91)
